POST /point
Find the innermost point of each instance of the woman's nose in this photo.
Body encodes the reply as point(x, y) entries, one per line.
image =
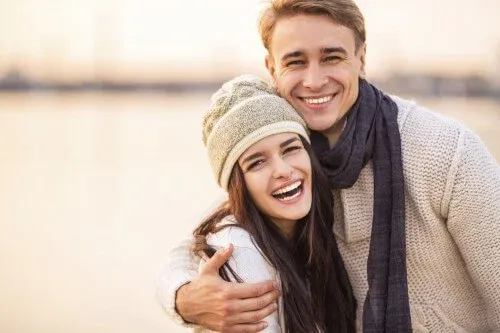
point(282, 169)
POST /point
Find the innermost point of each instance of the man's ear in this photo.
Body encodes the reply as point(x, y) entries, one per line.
point(271, 68)
point(362, 59)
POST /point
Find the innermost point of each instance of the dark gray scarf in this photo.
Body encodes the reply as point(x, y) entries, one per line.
point(372, 133)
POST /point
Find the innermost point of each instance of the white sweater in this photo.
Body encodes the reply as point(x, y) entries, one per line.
point(250, 265)
point(452, 215)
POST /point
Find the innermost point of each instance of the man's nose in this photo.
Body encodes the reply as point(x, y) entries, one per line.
point(314, 77)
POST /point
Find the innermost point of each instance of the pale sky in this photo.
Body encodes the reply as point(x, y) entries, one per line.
point(68, 39)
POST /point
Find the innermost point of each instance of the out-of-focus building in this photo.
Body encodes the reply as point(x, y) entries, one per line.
point(204, 41)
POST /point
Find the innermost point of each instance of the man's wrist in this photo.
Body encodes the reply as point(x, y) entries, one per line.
point(179, 302)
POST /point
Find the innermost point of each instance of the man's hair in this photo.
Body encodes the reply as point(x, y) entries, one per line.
point(343, 12)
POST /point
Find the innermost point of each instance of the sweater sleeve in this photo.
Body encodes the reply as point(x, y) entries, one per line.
point(474, 218)
point(180, 268)
point(248, 263)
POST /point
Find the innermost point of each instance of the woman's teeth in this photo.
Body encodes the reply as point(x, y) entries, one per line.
point(288, 192)
point(293, 196)
point(288, 188)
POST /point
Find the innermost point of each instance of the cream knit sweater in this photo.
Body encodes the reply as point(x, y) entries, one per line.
point(452, 207)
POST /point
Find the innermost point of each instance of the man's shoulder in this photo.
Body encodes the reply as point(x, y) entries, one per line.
point(427, 137)
point(411, 113)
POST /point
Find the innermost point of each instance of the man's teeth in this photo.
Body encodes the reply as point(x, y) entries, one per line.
point(288, 188)
point(318, 100)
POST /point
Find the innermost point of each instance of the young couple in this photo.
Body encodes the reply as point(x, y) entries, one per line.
point(391, 225)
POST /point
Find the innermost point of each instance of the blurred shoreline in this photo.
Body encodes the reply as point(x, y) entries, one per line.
point(98, 186)
point(425, 85)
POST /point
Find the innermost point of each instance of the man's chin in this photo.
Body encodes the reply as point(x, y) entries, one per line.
point(319, 124)
point(320, 129)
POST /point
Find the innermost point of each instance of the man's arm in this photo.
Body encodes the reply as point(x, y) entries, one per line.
point(179, 269)
point(206, 299)
point(474, 219)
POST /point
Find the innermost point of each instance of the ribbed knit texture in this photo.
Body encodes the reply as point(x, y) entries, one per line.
point(452, 204)
point(452, 207)
point(243, 111)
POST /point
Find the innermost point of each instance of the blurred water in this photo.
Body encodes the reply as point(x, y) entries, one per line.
point(96, 188)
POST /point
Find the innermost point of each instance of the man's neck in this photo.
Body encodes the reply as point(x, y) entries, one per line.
point(333, 133)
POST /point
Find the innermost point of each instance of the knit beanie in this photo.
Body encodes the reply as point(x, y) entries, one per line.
point(243, 111)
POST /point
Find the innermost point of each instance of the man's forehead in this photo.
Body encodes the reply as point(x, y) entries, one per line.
point(307, 33)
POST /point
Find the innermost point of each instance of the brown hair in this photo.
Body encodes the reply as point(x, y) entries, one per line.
point(343, 12)
point(315, 287)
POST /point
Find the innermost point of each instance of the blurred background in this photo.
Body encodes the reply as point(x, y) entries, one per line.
point(102, 168)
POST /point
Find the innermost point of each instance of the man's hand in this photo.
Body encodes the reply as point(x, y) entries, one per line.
point(223, 306)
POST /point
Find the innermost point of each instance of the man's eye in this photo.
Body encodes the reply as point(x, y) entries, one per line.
point(295, 63)
point(332, 58)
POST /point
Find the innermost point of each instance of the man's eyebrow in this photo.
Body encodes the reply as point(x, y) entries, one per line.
point(337, 49)
point(251, 157)
point(287, 142)
point(293, 54)
point(324, 50)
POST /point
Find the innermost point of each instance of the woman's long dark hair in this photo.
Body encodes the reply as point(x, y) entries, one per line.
point(316, 291)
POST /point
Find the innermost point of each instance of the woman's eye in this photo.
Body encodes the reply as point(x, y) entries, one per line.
point(255, 164)
point(291, 149)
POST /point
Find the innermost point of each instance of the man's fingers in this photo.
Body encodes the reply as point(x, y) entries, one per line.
point(253, 316)
point(250, 290)
point(218, 259)
point(247, 328)
point(255, 303)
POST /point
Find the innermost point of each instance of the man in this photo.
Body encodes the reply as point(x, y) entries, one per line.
point(417, 196)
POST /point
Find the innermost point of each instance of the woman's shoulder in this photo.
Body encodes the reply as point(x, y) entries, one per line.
point(247, 259)
point(230, 233)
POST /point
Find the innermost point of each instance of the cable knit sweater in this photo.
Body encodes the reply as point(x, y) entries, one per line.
point(452, 212)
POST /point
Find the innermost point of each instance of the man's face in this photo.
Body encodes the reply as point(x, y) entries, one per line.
point(315, 66)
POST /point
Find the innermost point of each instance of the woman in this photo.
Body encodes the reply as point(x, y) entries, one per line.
point(278, 215)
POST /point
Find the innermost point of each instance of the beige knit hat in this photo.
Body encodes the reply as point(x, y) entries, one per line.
point(244, 110)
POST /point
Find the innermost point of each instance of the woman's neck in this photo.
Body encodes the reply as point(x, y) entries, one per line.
point(287, 227)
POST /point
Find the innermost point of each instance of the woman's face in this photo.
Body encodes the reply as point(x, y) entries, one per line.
point(277, 173)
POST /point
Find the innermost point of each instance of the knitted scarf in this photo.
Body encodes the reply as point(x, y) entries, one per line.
point(372, 133)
